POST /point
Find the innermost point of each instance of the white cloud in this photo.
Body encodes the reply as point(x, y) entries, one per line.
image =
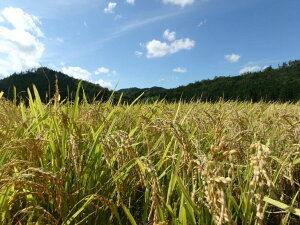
point(104, 83)
point(77, 72)
point(20, 47)
point(232, 58)
point(249, 69)
point(138, 53)
point(102, 70)
point(82, 74)
point(265, 67)
point(180, 70)
point(1, 19)
point(157, 48)
point(110, 7)
point(169, 35)
point(182, 3)
point(130, 2)
point(22, 21)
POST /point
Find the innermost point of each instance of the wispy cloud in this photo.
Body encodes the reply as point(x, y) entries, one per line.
point(117, 17)
point(202, 23)
point(93, 46)
point(59, 40)
point(136, 24)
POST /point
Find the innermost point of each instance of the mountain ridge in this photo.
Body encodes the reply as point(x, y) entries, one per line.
point(279, 84)
point(45, 80)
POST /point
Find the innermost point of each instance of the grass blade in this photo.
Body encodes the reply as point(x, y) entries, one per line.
point(283, 206)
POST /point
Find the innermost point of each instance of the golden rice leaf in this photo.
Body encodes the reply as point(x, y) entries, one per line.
point(141, 166)
point(296, 161)
point(129, 215)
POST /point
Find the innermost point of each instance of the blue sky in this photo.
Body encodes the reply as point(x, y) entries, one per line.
point(144, 43)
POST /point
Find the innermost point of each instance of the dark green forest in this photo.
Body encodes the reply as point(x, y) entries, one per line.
point(15, 86)
point(279, 84)
point(272, 84)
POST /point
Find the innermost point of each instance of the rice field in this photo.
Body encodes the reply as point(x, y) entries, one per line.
point(159, 163)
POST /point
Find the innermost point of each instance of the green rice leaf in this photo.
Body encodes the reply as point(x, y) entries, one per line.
point(283, 206)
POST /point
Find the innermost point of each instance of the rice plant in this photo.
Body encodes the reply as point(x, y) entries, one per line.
point(160, 163)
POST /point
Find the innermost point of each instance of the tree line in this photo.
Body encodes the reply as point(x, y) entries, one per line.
point(280, 84)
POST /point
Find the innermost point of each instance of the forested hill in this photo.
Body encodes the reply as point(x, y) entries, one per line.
point(130, 94)
point(280, 84)
point(44, 79)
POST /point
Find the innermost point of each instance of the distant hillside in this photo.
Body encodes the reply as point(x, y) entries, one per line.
point(129, 94)
point(44, 79)
point(280, 84)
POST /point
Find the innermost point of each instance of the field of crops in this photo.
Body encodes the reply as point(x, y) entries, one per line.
point(159, 163)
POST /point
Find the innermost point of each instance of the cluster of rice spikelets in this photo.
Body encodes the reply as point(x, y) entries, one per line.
point(260, 177)
point(216, 182)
